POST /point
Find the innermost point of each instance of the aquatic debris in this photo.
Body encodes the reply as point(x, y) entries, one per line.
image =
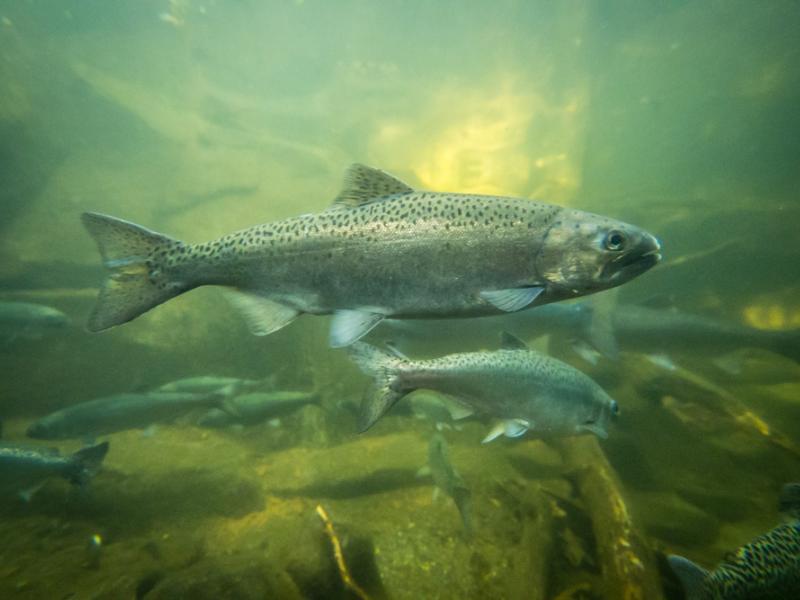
point(767, 567)
point(722, 400)
point(381, 250)
point(627, 563)
point(532, 557)
point(338, 555)
point(523, 389)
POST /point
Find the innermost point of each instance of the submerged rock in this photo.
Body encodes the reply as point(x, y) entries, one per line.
point(230, 578)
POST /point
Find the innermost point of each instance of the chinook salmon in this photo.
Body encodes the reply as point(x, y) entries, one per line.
point(120, 412)
point(381, 250)
point(767, 568)
point(25, 468)
point(522, 389)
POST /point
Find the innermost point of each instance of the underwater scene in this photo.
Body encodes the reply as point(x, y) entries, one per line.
point(399, 300)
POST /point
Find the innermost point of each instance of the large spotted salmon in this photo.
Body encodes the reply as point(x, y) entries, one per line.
point(382, 250)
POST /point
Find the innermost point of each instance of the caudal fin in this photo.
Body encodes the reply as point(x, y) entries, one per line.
point(137, 281)
point(386, 388)
point(691, 576)
point(86, 463)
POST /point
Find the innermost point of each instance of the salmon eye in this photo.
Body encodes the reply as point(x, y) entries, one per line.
point(614, 407)
point(615, 241)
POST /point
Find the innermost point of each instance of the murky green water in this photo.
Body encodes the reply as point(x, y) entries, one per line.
point(200, 118)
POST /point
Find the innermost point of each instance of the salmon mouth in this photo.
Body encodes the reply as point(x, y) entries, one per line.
point(633, 264)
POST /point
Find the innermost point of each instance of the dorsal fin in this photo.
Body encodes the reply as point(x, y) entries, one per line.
point(363, 184)
point(508, 341)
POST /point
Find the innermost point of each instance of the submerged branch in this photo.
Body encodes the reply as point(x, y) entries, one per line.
point(338, 555)
point(628, 565)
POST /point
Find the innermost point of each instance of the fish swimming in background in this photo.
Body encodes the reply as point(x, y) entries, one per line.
point(24, 468)
point(633, 327)
point(29, 321)
point(381, 250)
point(768, 568)
point(120, 412)
point(257, 407)
point(447, 479)
point(524, 390)
point(568, 320)
point(438, 409)
point(208, 384)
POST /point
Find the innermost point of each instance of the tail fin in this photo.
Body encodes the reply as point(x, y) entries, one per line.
point(691, 576)
point(385, 389)
point(136, 283)
point(86, 463)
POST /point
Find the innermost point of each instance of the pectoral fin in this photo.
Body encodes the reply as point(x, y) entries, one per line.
point(509, 428)
point(512, 300)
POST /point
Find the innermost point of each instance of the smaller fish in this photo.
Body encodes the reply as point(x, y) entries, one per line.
point(523, 389)
point(119, 413)
point(209, 384)
point(29, 321)
point(758, 367)
point(449, 481)
point(428, 337)
point(768, 568)
point(441, 411)
point(24, 468)
point(255, 408)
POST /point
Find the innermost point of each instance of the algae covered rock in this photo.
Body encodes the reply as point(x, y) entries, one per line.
point(231, 578)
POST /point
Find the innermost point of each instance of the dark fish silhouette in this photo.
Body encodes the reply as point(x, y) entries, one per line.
point(768, 568)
